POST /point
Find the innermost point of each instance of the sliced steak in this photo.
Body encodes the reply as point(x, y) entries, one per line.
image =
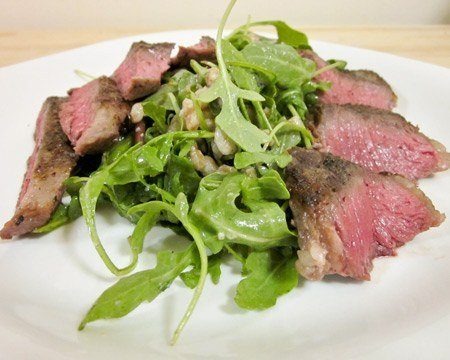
point(49, 166)
point(353, 87)
point(140, 73)
point(346, 215)
point(379, 140)
point(204, 50)
point(92, 116)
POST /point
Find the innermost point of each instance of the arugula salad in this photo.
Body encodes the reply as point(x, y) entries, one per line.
point(210, 167)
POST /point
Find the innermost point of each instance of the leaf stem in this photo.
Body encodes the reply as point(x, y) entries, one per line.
point(219, 55)
point(201, 282)
point(88, 209)
point(174, 102)
point(199, 112)
point(260, 112)
point(183, 217)
point(328, 67)
point(84, 75)
point(273, 132)
point(307, 137)
point(243, 109)
point(198, 69)
point(234, 253)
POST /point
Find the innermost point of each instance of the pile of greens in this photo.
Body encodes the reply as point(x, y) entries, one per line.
point(259, 101)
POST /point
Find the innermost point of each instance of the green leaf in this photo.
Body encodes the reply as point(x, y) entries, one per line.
point(143, 226)
point(129, 292)
point(191, 277)
point(270, 274)
point(89, 195)
point(246, 79)
point(292, 96)
point(230, 119)
point(63, 214)
point(216, 211)
point(119, 148)
point(149, 159)
point(74, 184)
point(242, 77)
point(187, 83)
point(244, 159)
point(157, 113)
point(161, 97)
point(289, 67)
point(289, 136)
point(340, 64)
point(181, 177)
point(181, 209)
point(146, 160)
point(123, 197)
point(286, 34)
point(269, 187)
point(130, 166)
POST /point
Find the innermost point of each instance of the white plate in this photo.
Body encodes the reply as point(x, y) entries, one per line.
point(48, 283)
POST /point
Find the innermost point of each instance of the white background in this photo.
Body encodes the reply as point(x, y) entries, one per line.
point(179, 14)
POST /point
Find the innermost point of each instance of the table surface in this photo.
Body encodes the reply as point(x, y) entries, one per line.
point(426, 43)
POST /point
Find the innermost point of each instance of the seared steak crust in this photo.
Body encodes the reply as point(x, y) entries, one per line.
point(315, 177)
point(48, 167)
point(346, 215)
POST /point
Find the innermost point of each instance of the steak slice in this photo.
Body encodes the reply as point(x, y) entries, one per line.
point(353, 87)
point(378, 140)
point(92, 116)
point(48, 167)
point(346, 215)
point(140, 73)
point(204, 50)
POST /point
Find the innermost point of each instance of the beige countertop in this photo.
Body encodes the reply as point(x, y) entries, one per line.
point(426, 43)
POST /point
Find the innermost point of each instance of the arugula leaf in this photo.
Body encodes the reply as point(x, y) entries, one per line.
point(270, 274)
point(116, 151)
point(246, 79)
point(143, 226)
point(289, 67)
point(131, 166)
point(89, 195)
point(157, 113)
point(187, 83)
point(258, 223)
point(181, 209)
point(268, 187)
point(340, 64)
point(129, 292)
point(191, 277)
point(242, 77)
point(230, 119)
point(244, 159)
point(62, 215)
point(286, 34)
point(146, 160)
point(289, 136)
point(123, 197)
point(161, 97)
point(292, 96)
point(180, 176)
